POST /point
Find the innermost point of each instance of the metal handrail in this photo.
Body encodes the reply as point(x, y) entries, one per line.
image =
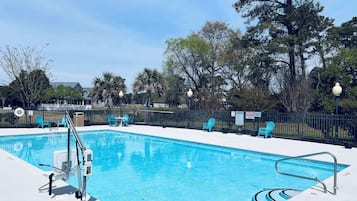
point(81, 183)
point(75, 134)
point(311, 178)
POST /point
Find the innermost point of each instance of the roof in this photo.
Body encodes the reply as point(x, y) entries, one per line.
point(75, 85)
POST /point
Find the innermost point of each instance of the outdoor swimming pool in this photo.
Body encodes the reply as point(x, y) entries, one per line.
point(134, 167)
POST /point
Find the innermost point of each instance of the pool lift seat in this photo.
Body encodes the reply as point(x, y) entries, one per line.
point(62, 169)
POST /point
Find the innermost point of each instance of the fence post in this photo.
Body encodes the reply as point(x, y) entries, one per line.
point(336, 129)
point(298, 122)
point(301, 118)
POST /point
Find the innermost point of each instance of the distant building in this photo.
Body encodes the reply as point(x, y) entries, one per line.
point(74, 85)
point(84, 104)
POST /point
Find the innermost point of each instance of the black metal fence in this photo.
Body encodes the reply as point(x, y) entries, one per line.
point(326, 128)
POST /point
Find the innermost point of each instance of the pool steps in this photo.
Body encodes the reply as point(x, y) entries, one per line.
point(278, 194)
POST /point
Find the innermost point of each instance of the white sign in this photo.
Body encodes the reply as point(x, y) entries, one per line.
point(239, 120)
point(258, 114)
point(249, 115)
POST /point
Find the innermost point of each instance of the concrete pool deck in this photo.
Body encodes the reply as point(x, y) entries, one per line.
point(21, 181)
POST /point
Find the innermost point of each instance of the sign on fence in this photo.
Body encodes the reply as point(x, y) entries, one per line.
point(239, 118)
point(258, 114)
point(249, 115)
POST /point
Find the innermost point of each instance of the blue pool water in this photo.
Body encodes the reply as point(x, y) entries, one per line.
point(133, 167)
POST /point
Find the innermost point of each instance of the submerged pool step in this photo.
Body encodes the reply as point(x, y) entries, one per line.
point(288, 193)
point(278, 194)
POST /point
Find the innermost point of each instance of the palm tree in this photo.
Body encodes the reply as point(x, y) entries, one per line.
point(149, 81)
point(106, 88)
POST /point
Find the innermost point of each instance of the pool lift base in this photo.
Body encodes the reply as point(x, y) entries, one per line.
point(78, 195)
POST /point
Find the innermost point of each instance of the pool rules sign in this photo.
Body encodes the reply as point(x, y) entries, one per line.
point(239, 118)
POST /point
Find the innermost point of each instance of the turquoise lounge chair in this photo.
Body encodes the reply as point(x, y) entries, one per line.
point(209, 125)
point(268, 130)
point(112, 121)
point(41, 123)
point(125, 120)
point(62, 122)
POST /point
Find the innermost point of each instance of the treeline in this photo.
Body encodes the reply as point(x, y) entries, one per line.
point(288, 60)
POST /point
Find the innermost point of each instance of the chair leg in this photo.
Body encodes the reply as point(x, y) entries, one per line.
point(267, 135)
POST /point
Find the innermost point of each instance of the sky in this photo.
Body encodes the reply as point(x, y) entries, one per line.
point(85, 38)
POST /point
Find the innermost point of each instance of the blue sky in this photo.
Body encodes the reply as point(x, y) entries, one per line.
point(86, 38)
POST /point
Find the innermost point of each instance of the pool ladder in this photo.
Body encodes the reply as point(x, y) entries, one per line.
point(311, 178)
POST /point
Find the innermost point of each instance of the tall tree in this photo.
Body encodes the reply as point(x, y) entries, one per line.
point(341, 66)
point(344, 38)
point(27, 68)
point(15, 60)
point(149, 81)
point(107, 87)
point(236, 57)
point(287, 31)
point(202, 60)
point(345, 35)
point(189, 55)
point(175, 86)
point(30, 87)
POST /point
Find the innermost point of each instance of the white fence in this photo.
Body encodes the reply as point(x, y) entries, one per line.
point(59, 107)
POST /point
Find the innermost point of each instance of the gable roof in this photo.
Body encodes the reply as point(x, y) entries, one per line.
point(75, 85)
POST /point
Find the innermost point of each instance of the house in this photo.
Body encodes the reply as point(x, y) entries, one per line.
point(74, 85)
point(68, 103)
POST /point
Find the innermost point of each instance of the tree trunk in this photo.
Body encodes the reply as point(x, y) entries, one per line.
point(302, 60)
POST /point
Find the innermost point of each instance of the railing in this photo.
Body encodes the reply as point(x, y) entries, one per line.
point(75, 134)
point(311, 178)
point(63, 107)
point(81, 183)
point(325, 128)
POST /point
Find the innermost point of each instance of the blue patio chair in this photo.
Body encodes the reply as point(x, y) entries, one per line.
point(125, 120)
point(268, 130)
point(62, 122)
point(41, 123)
point(209, 125)
point(112, 121)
